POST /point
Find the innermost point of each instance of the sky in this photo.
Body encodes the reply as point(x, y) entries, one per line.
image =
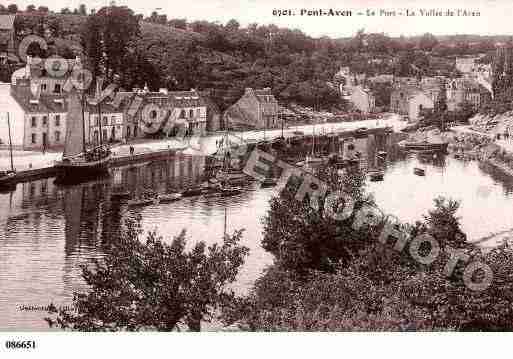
point(495, 16)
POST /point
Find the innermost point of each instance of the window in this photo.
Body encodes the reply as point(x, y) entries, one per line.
point(57, 88)
point(97, 120)
point(33, 138)
point(191, 113)
point(198, 112)
point(128, 132)
point(57, 136)
point(34, 121)
point(113, 120)
point(45, 120)
point(104, 135)
point(43, 87)
point(105, 121)
point(57, 120)
point(182, 114)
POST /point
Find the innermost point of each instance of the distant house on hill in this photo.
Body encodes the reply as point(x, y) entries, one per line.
point(410, 101)
point(363, 99)
point(255, 109)
point(462, 90)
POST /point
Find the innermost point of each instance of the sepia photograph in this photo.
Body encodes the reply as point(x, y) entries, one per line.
point(285, 166)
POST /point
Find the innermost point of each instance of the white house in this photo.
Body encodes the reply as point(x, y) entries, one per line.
point(16, 118)
point(418, 101)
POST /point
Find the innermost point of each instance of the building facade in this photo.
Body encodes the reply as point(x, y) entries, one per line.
point(461, 90)
point(7, 37)
point(43, 117)
point(410, 101)
point(363, 99)
point(255, 109)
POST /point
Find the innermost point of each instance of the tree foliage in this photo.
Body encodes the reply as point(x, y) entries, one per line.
point(153, 285)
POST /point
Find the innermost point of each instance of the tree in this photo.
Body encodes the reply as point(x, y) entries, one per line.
point(116, 28)
point(427, 42)
point(303, 238)
point(43, 9)
point(65, 11)
point(178, 23)
point(12, 8)
point(82, 10)
point(232, 25)
point(31, 8)
point(153, 285)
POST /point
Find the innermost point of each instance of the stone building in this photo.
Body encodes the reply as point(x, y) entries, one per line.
point(7, 37)
point(255, 109)
point(363, 99)
point(43, 117)
point(214, 114)
point(410, 101)
point(461, 90)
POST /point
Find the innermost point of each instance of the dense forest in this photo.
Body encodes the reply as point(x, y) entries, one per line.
point(134, 50)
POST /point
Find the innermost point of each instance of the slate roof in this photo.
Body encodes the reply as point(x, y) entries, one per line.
point(265, 95)
point(45, 103)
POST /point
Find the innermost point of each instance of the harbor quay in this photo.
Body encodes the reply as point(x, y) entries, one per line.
point(32, 164)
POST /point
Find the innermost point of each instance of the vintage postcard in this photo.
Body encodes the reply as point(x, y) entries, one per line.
point(255, 166)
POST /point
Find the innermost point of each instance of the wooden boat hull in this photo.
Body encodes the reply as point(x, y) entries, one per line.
point(7, 180)
point(169, 198)
point(377, 176)
point(77, 170)
point(419, 171)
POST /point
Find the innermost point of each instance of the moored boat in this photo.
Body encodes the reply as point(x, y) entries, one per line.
point(120, 195)
point(78, 162)
point(419, 171)
point(376, 176)
point(424, 146)
point(7, 177)
point(230, 191)
point(169, 197)
point(268, 182)
point(141, 202)
point(194, 191)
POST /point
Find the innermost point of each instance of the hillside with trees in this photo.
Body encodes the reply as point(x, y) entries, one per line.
point(179, 55)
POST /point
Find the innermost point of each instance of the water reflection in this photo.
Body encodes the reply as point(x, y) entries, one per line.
point(47, 231)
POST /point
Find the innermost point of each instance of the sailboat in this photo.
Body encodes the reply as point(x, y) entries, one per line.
point(78, 161)
point(7, 177)
point(311, 159)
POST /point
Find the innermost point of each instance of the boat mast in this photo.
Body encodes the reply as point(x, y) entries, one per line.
point(10, 141)
point(83, 125)
point(100, 119)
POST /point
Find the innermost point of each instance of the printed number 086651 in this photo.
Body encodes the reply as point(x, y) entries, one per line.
point(16, 344)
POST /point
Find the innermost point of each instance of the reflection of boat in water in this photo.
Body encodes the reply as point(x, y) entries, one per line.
point(376, 175)
point(170, 197)
point(382, 154)
point(419, 171)
point(78, 162)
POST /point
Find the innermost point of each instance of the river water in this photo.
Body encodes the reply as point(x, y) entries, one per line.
point(47, 231)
